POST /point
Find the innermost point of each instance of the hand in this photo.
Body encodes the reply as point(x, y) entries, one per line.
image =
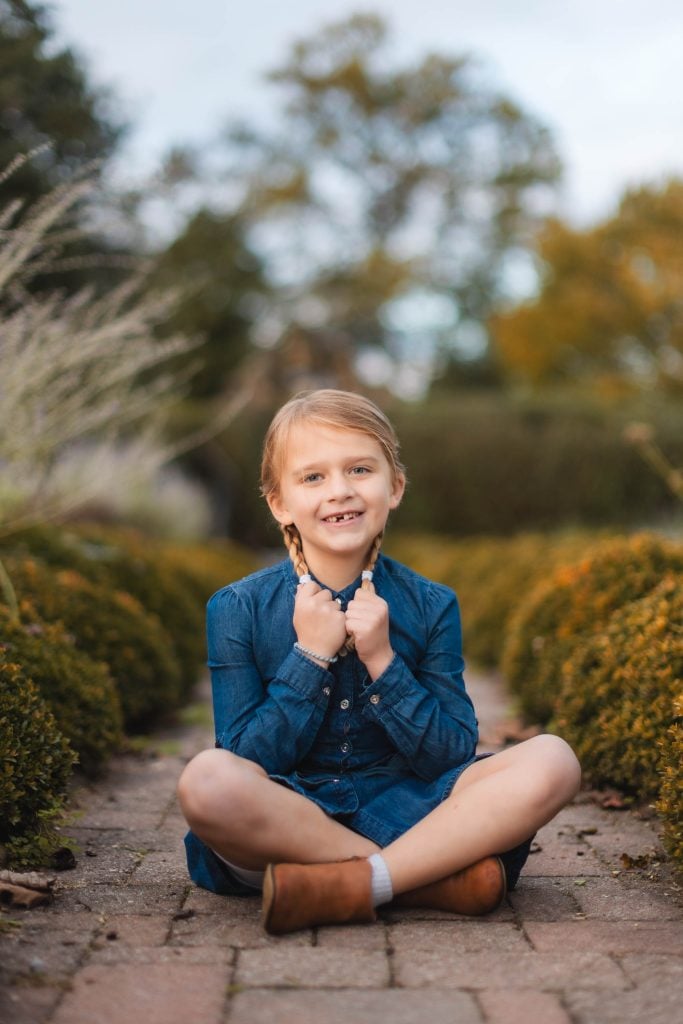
point(318, 620)
point(367, 620)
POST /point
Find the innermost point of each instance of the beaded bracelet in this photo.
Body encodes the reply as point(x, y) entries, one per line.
point(312, 654)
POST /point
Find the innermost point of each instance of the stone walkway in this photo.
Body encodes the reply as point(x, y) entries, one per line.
point(584, 938)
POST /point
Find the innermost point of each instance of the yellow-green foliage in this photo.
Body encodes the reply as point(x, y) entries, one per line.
point(618, 689)
point(110, 626)
point(490, 575)
point(670, 803)
point(126, 560)
point(577, 599)
point(35, 758)
point(205, 568)
point(79, 691)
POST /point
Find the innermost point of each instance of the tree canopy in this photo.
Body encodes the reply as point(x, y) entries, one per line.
point(45, 97)
point(385, 194)
point(609, 307)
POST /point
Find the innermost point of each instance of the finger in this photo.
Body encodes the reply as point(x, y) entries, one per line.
point(308, 588)
point(367, 587)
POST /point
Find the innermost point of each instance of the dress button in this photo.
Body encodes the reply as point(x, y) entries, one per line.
point(374, 699)
point(345, 747)
point(327, 690)
point(345, 704)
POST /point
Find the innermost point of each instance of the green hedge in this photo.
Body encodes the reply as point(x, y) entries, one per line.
point(110, 626)
point(670, 802)
point(35, 758)
point(79, 691)
point(127, 561)
point(577, 600)
point(618, 690)
point(490, 575)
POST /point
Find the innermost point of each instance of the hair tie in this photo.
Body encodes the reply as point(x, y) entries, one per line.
point(305, 578)
point(366, 575)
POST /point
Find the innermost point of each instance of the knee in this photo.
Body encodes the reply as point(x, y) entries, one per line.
point(561, 771)
point(209, 787)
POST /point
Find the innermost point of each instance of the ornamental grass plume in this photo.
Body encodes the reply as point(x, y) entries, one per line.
point(80, 373)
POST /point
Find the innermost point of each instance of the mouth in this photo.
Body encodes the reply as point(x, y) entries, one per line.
point(342, 517)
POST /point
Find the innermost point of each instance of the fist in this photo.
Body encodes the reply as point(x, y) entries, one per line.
point(318, 620)
point(367, 620)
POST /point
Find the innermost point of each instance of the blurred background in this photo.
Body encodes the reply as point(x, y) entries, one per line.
point(473, 215)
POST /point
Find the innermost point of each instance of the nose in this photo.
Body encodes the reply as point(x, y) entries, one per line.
point(340, 486)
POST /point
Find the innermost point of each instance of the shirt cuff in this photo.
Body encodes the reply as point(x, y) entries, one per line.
point(389, 688)
point(306, 677)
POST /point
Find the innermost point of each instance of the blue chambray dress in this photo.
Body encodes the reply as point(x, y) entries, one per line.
point(375, 755)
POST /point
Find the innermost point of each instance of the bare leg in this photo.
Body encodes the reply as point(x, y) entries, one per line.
point(495, 804)
point(232, 805)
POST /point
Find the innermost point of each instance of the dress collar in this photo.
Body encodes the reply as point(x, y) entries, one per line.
point(346, 594)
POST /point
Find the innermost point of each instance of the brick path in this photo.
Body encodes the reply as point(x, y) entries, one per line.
point(129, 939)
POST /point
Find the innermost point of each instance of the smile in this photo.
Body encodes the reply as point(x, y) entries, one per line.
point(343, 517)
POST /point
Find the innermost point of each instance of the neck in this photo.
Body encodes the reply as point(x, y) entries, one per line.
point(335, 573)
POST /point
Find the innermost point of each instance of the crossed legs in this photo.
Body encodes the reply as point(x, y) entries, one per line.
point(496, 803)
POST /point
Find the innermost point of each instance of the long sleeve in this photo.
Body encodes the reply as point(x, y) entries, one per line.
point(427, 713)
point(273, 722)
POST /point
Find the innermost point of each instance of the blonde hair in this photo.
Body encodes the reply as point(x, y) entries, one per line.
point(330, 408)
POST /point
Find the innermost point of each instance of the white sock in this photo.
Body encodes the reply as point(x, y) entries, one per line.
point(382, 889)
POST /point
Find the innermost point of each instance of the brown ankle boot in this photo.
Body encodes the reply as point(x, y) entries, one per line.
point(301, 895)
point(475, 890)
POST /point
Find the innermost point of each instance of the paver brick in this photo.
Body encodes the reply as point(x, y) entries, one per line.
point(299, 967)
point(521, 1006)
point(616, 937)
point(543, 971)
point(122, 953)
point(544, 899)
point(650, 970)
point(24, 1005)
point(227, 931)
point(457, 936)
point(353, 1006)
point(637, 1006)
point(359, 936)
point(168, 993)
point(624, 899)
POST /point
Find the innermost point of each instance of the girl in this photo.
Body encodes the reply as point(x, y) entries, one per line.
point(345, 772)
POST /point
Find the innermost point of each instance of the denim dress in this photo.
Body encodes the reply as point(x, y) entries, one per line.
point(375, 755)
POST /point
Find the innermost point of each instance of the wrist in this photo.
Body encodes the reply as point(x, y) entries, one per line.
point(379, 663)
point(320, 658)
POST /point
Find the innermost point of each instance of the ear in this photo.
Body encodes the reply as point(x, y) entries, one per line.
point(279, 510)
point(398, 487)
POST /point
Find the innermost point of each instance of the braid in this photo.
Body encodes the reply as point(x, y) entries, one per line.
point(350, 643)
point(293, 544)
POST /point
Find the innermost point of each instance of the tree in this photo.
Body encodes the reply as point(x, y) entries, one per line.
point(50, 110)
point(609, 306)
point(386, 194)
point(45, 98)
point(219, 283)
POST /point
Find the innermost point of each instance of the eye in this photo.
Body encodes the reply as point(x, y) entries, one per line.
point(311, 478)
point(360, 470)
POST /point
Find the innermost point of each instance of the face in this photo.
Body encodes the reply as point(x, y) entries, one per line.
point(337, 488)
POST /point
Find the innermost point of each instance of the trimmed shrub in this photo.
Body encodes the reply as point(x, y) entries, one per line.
point(35, 758)
point(110, 626)
point(618, 689)
point(79, 691)
point(205, 568)
point(490, 575)
point(130, 562)
point(670, 803)
point(577, 599)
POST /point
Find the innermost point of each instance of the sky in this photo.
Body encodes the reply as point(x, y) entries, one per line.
point(605, 76)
